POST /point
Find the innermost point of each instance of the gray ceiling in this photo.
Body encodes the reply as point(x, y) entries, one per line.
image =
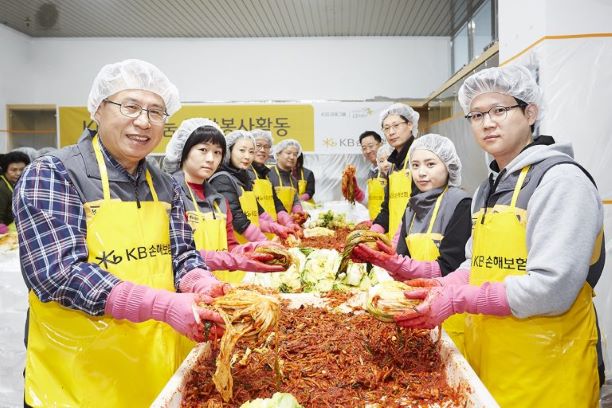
point(234, 18)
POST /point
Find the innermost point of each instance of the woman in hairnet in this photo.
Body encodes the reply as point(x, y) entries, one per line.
point(286, 154)
point(306, 180)
point(436, 224)
point(266, 195)
point(534, 257)
point(232, 180)
point(193, 154)
point(400, 124)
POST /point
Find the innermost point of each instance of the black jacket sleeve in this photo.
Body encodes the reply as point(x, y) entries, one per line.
point(457, 233)
point(227, 187)
point(6, 204)
point(310, 184)
point(278, 205)
point(382, 218)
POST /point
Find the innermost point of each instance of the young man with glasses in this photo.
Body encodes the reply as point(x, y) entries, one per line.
point(115, 280)
point(535, 255)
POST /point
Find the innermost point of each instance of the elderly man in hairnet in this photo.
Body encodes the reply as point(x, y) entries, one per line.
point(436, 224)
point(115, 280)
point(535, 255)
point(286, 154)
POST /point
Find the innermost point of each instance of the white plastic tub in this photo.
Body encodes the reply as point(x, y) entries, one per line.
point(459, 374)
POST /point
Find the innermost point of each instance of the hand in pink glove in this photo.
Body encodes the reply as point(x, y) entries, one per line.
point(277, 229)
point(138, 303)
point(399, 267)
point(203, 282)
point(253, 233)
point(251, 246)
point(359, 193)
point(3, 229)
point(377, 228)
point(440, 302)
point(297, 209)
point(305, 197)
point(252, 261)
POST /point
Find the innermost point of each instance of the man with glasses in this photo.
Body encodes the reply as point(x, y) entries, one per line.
point(115, 280)
point(370, 142)
point(535, 255)
point(266, 195)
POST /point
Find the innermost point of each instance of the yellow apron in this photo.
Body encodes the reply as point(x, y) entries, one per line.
point(285, 194)
point(541, 361)
point(210, 234)
point(400, 188)
point(302, 184)
point(11, 227)
point(263, 191)
point(376, 195)
point(78, 360)
point(422, 247)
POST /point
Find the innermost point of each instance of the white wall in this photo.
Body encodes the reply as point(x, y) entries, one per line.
point(522, 22)
point(352, 68)
point(14, 47)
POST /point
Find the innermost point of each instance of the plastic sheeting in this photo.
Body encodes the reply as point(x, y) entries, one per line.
point(328, 168)
point(13, 308)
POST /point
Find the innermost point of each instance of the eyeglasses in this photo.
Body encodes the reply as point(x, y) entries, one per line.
point(387, 129)
point(369, 147)
point(496, 113)
point(262, 147)
point(132, 110)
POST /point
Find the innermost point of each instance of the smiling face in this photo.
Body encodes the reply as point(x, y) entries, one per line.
point(262, 150)
point(502, 138)
point(287, 159)
point(369, 147)
point(397, 131)
point(129, 140)
point(243, 153)
point(202, 161)
point(428, 171)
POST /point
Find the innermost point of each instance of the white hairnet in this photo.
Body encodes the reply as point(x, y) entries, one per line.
point(174, 148)
point(263, 134)
point(403, 110)
point(384, 150)
point(132, 74)
point(513, 80)
point(279, 147)
point(231, 139)
point(443, 148)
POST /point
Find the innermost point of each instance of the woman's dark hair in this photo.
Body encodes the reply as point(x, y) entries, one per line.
point(368, 133)
point(204, 134)
point(13, 157)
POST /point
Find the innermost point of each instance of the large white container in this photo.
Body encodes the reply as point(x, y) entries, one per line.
point(459, 374)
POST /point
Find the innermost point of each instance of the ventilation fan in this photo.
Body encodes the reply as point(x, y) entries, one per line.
point(46, 15)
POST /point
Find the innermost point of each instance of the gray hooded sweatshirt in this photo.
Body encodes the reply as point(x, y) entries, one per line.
point(564, 217)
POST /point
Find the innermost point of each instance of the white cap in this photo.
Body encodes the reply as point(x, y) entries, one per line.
point(403, 110)
point(132, 74)
point(174, 148)
point(279, 147)
point(443, 148)
point(513, 80)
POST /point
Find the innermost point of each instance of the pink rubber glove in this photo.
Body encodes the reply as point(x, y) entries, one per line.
point(277, 229)
point(249, 247)
point(440, 302)
point(3, 229)
point(396, 237)
point(284, 218)
point(138, 303)
point(252, 262)
point(305, 197)
point(253, 233)
point(377, 228)
point(400, 267)
point(359, 193)
point(203, 282)
point(297, 208)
